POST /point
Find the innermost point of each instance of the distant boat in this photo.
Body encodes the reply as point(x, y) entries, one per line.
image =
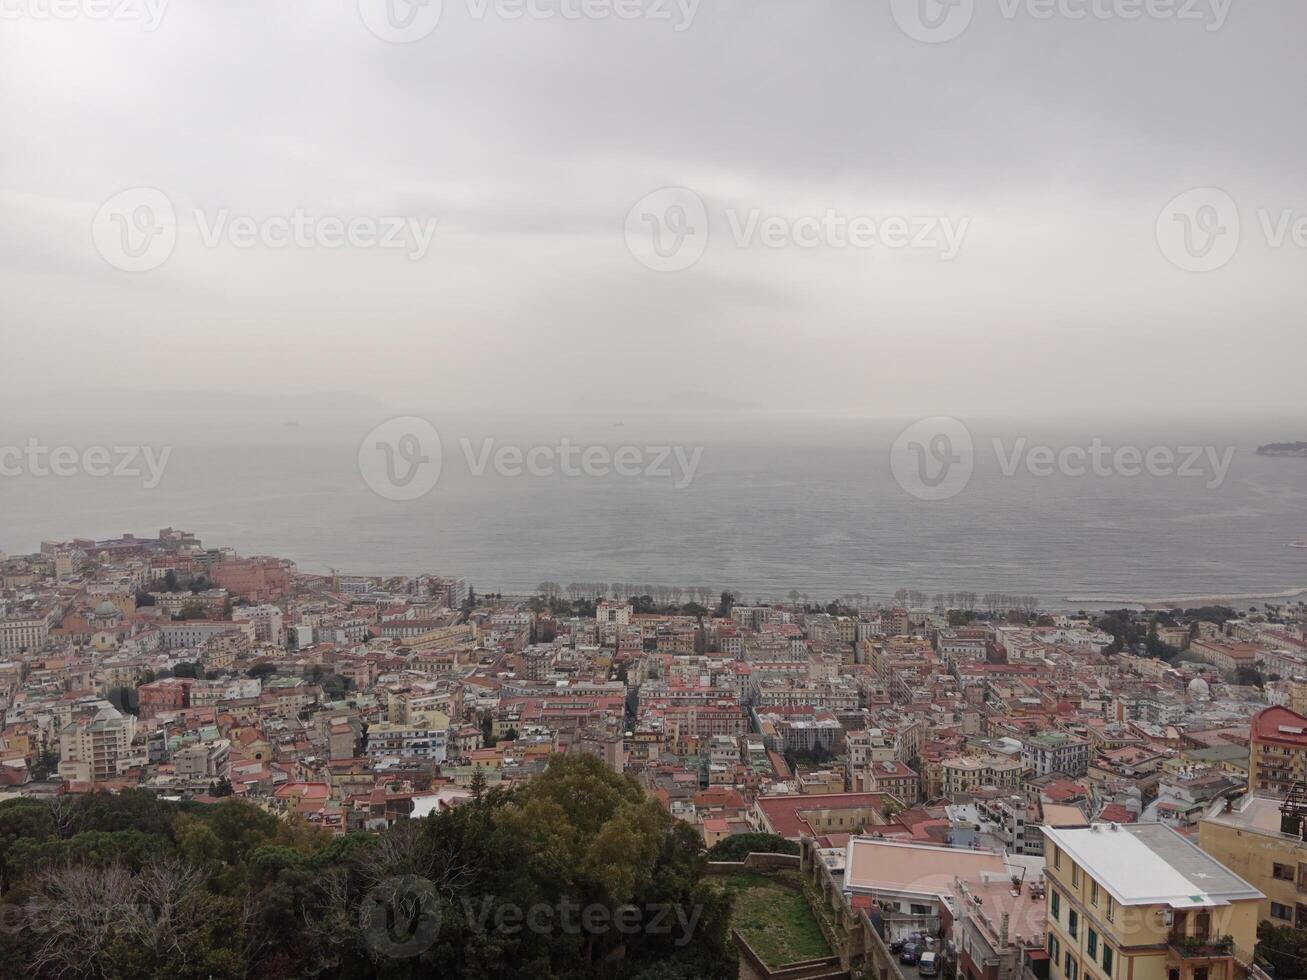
point(1296, 544)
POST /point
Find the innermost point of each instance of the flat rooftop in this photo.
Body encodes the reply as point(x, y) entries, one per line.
point(1150, 864)
point(914, 869)
point(1259, 814)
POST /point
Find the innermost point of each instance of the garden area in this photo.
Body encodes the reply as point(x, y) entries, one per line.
point(774, 917)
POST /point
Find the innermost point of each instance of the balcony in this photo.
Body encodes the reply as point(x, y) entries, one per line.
point(1199, 948)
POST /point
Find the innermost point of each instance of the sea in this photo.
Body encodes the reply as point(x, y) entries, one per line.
point(821, 507)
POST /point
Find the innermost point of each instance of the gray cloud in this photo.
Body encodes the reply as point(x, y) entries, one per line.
point(530, 140)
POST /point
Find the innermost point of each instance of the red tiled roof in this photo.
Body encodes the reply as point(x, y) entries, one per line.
point(785, 813)
point(1267, 724)
point(1116, 813)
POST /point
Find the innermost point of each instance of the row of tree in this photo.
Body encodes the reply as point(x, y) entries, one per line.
point(665, 596)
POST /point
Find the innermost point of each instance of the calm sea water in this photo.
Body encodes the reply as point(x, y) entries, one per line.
point(775, 505)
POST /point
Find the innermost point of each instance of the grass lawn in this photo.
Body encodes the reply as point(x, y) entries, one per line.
point(775, 919)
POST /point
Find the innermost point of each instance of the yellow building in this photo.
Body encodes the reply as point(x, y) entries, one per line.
point(1254, 840)
point(1141, 902)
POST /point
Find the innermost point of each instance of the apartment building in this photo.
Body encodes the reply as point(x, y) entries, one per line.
point(1225, 656)
point(22, 632)
point(1277, 751)
point(894, 778)
point(613, 613)
point(188, 634)
point(1141, 902)
point(963, 644)
point(1260, 838)
point(1049, 752)
point(97, 746)
point(203, 763)
point(268, 622)
point(406, 742)
point(963, 773)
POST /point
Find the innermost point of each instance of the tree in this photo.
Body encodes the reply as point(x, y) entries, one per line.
point(643, 605)
point(193, 610)
point(22, 821)
point(222, 787)
point(135, 886)
point(1284, 947)
point(262, 670)
point(738, 846)
point(124, 699)
point(1249, 676)
point(45, 763)
point(162, 921)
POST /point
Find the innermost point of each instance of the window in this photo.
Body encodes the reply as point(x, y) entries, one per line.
point(1282, 872)
point(1093, 892)
point(1279, 911)
point(1072, 922)
point(1052, 947)
point(1057, 857)
point(1107, 960)
point(1075, 875)
point(1070, 970)
point(922, 910)
point(1091, 943)
point(1056, 906)
point(1111, 909)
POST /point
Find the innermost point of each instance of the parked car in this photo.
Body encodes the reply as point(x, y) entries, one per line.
point(910, 953)
point(928, 964)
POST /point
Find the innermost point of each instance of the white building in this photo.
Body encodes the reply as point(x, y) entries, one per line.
point(1050, 752)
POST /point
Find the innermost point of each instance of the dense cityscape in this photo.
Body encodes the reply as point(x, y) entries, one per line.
point(218, 765)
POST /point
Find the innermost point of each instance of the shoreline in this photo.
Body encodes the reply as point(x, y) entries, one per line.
point(1188, 601)
point(1049, 603)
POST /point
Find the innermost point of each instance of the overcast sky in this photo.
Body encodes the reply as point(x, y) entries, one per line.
point(1054, 146)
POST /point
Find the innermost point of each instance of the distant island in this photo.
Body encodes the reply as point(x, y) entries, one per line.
point(1283, 449)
